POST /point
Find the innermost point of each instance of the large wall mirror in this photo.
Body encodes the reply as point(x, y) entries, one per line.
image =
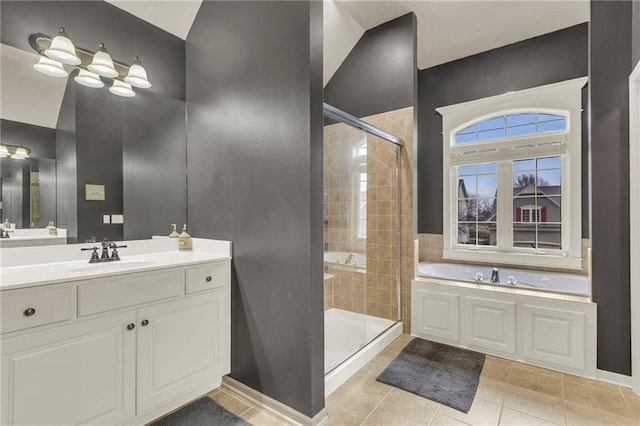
point(93, 157)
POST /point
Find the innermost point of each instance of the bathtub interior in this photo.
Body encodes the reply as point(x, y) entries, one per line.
point(509, 277)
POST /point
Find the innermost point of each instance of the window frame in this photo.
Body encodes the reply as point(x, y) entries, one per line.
point(565, 99)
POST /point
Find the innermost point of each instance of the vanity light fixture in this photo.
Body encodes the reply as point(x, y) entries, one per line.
point(59, 50)
point(62, 49)
point(102, 63)
point(120, 88)
point(16, 152)
point(88, 79)
point(50, 67)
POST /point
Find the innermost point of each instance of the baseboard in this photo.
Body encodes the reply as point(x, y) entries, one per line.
point(614, 378)
point(276, 408)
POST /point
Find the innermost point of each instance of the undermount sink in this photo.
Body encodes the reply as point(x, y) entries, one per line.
point(114, 266)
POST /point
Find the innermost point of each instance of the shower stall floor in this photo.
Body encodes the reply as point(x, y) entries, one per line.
point(346, 332)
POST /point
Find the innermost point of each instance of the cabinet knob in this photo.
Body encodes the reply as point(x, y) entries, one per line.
point(144, 323)
point(208, 279)
point(131, 326)
point(28, 312)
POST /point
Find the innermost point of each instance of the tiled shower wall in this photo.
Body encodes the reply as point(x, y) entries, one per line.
point(374, 293)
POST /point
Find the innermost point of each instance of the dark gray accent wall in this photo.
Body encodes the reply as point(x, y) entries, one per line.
point(254, 161)
point(154, 165)
point(91, 22)
point(40, 140)
point(635, 53)
point(550, 58)
point(379, 74)
point(610, 65)
point(99, 127)
point(66, 158)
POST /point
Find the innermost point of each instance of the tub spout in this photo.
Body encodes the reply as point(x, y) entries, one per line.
point(495, 276)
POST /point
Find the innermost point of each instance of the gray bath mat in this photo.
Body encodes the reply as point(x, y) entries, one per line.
point(438, 372)
point(203, 412)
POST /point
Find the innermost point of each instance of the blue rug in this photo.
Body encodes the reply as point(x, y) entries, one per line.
point(203, 412)
point(438, 372)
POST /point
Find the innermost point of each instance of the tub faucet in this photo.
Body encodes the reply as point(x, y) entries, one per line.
point(349, 259)
point(495, 276)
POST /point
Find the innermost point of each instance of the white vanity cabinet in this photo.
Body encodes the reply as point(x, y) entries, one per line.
point(119, 349)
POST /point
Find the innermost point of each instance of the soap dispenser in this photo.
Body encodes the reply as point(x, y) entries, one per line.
point(184, 239)
point(6, 224)
point(174, 231)
point(52, 228)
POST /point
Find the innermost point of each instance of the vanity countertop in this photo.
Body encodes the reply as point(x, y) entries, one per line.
point(146, 255)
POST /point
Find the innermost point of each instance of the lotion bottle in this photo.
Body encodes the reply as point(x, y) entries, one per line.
point(174, 231)
point(184, 239)
point(52, 228)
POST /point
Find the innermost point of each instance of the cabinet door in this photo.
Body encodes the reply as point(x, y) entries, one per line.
point(73, 374)
point(181, 344)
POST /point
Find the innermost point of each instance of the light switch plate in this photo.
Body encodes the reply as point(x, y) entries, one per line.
point(117, 218)
point(106, 218)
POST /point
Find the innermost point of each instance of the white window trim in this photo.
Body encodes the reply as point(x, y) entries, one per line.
point(564, 98)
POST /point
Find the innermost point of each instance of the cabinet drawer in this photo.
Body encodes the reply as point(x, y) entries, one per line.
point(206, 277)
point(111, 293)
point(38, 307)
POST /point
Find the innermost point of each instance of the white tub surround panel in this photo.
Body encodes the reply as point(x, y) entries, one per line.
point(130, 344)
point(544, 329)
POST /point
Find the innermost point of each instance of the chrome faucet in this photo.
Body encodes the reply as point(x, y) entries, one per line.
point(349, 259)
point(495, 276)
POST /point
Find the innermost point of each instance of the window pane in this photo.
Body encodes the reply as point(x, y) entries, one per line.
point(467, 186)
point(469, 137)
point(487, 168)
point(549, 117)
point(550, 126)
point(549, 236)
point(524, 181)
point(517, 119)
point(467, 210)
point(522, 165)
point(524, 235)
point(493, 123)
point(522, 209)
point(549, 163)
point(550, 209)
point(470, 129)
point(486, 234)
point(549, 178)
point(521, 130)
point(464, 233)
point(487, 209)
point(487, 185)
point(467, 170)
point(490, 134)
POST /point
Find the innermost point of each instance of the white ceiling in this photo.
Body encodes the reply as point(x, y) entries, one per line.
point(173, 16)
point(453, 29)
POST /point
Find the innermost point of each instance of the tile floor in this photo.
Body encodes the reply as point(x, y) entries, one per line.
point(509, 393)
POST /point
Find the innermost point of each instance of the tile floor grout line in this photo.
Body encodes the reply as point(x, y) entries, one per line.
point(376, 407)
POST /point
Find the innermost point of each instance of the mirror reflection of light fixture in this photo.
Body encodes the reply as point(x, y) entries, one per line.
point(50, 67)
point(121, 88)
point(137, 75)
point(16, 152)
point(62, 49)
point(102, 63)
point(88, 79)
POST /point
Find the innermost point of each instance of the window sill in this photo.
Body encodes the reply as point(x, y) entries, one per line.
point(515, 259)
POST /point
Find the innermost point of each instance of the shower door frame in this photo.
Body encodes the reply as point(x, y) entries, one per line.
point(341, 116)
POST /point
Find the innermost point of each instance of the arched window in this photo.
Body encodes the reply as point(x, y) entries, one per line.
point(512, 174)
